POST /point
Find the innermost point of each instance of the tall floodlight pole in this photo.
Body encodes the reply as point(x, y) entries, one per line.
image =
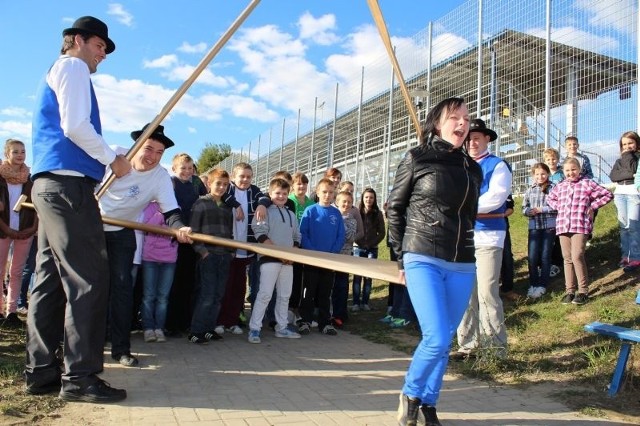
point(480, 59)
point(332, 141)
point(387, 152)
point(359, 185)
point(313, 140)
point(284, 121)
point(295, 146)
point(547, 79)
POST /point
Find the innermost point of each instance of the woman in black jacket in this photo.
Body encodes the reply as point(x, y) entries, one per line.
point(431, 213)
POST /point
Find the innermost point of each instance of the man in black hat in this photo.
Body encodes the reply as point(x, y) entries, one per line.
point(483, 323)
point(125, 199)
point(69, 299)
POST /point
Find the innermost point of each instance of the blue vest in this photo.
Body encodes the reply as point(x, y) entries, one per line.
point(488, 165)
point(52, 150)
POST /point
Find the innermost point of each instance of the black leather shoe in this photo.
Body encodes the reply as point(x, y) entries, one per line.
point(51, 387)
point(98, 391)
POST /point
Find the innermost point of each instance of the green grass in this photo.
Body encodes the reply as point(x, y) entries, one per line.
point(547, 341)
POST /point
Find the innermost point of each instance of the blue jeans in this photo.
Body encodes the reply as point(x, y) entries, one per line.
point(357, 280)
point(27, 273)
point(541, 243)
point(121, 246)
point(402, 307)
point(440, 295)
point(157, 278)
point(213, 271)
point(628, 207)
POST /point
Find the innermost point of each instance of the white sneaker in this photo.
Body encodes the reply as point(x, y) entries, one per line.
point(314, 324)
point(160, 336)
point(150, 336)
point(365, 307)
point(234, 329)
point(219, 329)
point(254, 336)
point(355, 308)
point(287, 334)
point(536, 292)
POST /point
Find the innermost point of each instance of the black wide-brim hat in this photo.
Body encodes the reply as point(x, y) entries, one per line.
point(92, 26)
point(477, 125)
point(158, 134)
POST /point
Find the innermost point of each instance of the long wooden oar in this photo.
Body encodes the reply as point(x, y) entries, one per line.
point(181, 91)
point(374, 7)
point(373, 268)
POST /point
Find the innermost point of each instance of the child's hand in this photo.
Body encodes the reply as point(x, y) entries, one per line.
point(261, 213)
point(183, 235)
point(239, 214)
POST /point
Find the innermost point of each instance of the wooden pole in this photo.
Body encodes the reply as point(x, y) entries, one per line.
point(374, 7)
point(181, 91)
point(378, 269)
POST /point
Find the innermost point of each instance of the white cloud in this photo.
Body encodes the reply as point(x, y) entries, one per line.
point(192, 130)
point(192, 48)
point(183, 72)
point(164, 61)
point(18, 129)
point(16, 112)
point(117, 10)
point(578, 38)
point(269, 56)
point(619, 14)
point(320, 30)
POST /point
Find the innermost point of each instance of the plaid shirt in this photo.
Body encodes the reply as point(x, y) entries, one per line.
point(535, 197)
point(211, 218)
point(572, 200)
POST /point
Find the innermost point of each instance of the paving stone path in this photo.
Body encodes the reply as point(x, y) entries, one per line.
point(317, 380)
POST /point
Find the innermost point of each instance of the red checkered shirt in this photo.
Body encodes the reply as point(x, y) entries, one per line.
point(572, 200)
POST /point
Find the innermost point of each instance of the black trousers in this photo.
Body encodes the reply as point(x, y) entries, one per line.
point(70, 296)
point(316, 290)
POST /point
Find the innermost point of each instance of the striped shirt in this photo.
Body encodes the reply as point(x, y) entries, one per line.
point(572, 200)
point(535, 197)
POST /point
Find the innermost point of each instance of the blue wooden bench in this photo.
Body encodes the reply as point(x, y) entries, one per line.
point(627, 336)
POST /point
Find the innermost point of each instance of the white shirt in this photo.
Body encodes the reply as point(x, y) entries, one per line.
point(69, 78)
point(241, 228)
point(130, 194)
point(496, 195)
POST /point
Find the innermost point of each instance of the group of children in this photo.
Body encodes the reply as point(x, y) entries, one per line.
point(561, 207)
point(292, 298)
point(201, 288)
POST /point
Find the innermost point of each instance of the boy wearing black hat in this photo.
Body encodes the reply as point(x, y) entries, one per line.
point(69, 299)
point(483, 323)
point(125, 199)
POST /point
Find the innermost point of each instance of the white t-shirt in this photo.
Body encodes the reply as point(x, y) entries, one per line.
point(130, 194)
point(241, 228)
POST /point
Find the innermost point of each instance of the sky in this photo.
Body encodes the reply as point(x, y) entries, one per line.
point(285, 54)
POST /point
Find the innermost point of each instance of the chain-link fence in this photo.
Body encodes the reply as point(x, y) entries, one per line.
point(549, 69)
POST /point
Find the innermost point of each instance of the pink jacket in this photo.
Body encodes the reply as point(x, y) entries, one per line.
point(157, 248)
